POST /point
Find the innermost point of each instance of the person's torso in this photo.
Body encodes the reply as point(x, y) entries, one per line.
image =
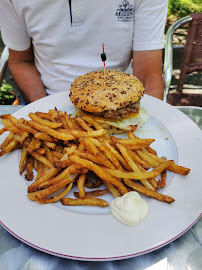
point(68, 42)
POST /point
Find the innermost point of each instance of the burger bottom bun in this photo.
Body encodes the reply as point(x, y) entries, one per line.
point(111, 130)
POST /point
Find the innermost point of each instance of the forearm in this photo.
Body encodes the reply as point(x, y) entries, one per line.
point(153, 85)
point(147, 66)
point(28, 80)
point(26, 75)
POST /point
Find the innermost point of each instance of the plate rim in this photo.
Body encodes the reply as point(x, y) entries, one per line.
point(88, 258)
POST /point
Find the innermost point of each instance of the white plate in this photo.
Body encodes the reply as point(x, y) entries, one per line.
point(86, 233)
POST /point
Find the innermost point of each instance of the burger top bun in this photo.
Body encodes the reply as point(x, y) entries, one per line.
point(94, 92)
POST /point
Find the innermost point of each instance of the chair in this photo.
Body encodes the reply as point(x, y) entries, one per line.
point(192, 58)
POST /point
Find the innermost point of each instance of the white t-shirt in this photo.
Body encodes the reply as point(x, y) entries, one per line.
point(64, 49)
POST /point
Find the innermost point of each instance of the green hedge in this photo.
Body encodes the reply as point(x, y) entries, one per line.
point(181, 8)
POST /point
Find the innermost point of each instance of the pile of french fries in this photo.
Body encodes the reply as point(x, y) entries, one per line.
point(58, 151)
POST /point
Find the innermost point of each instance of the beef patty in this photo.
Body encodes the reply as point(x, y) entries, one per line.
point(120, 113)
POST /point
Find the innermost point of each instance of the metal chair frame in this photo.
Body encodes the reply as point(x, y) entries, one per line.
point(168, 53)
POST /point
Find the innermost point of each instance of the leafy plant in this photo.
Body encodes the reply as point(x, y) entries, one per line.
point(182, 8)
point(6, 97)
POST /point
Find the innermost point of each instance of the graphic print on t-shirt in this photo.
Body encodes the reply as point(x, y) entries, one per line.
point(124, 12)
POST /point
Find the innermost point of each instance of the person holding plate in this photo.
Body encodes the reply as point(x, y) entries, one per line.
point(53, 42)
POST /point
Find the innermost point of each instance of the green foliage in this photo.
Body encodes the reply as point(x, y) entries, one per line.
point(182, 8)
point(6, 97)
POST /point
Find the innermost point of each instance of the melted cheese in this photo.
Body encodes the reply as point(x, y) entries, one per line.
point(132, 119)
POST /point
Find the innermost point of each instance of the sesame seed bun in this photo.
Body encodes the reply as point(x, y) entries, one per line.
point(95, 92)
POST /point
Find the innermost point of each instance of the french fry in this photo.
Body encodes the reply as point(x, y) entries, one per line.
point(69, 121)
point(44, 137)
point(31, 145)
point(41, 151)
point(8, 148)
point(56, 198)
point(36, 164)
point(81, 147)
point(38, 143)
point(137, 159)
point(174, 168)
point(100, 173)
point(45, 116)
point(80, 184)
point(7, 140)
point(42, 159)
point(44, 122)
point(2, 130)
point(137, 175)
point(148, 192)
point(118, 156)
point(48, 153)
point(76, 125)
point(107, 153)
point(152, 180)
point(40, 169)
point(29, 168)
point(57, 154)
point(93, 123)
point(44, 177)
point(51, 189)
point(162, 181)
point(60, 149)
point(51, 132)
point(23, 159)
point(133, 166)
point(133, 141)
point(30, 164)
point(90, 194)
point(151, 150)
point(49, 144)
point(150, 160)
point(26, 127)
point(63, 121)
point(131, 135)
point(83, 124)
point(163, 166)
point(92, 149)
point(85, 155)
point(10, 118)
point(11, 127)
point(98, 182)
point(93, 133)
point(136, 147)
point(61, 163)
point(57, 178)
point(114, 191)
point(155, 161)
point(85, 201)
point(54, 114)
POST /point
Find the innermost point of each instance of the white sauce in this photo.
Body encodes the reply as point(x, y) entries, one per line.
point(129, 209)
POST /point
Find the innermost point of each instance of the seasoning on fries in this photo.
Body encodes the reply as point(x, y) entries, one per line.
point(63, 152)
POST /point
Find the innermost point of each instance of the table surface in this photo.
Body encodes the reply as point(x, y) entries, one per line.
point(183, 253)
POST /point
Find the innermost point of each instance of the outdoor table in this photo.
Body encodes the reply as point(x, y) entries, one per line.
point(183, 253)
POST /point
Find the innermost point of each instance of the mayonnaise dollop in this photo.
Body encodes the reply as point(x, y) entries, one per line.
point(129, 209)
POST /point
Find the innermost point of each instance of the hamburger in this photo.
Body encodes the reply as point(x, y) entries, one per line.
point(112, 99)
